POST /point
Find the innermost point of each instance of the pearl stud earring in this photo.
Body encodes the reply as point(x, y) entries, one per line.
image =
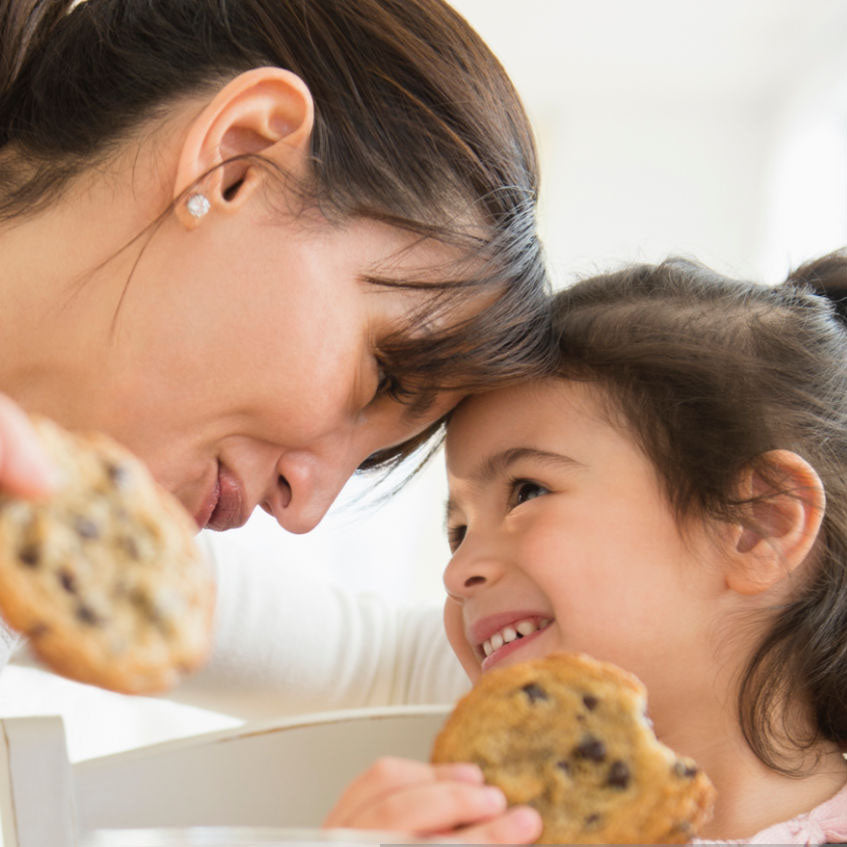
point(198, 205)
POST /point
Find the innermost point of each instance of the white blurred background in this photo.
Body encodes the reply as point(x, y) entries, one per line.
point(716, 131)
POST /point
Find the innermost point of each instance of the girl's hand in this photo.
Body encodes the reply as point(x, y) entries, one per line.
point(448, 804)
point(24, 469)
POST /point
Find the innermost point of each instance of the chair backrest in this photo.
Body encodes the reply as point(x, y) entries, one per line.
point(269, 774)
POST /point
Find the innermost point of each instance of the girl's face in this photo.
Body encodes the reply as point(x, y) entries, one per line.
point(243, 368)
point(562, 539)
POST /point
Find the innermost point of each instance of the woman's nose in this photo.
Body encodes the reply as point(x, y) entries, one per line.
point(306, 485)
point(473, 567)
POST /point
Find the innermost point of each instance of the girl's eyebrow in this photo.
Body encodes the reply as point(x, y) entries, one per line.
point(498, 463)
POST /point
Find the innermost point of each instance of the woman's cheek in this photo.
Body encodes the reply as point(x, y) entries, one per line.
point(455, 630)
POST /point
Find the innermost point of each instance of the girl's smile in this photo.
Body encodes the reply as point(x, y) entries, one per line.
point(496, 640)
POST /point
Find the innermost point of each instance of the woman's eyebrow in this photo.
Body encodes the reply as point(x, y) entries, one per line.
point(498, 463)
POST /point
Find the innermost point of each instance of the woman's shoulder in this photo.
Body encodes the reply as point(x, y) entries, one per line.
point(8, 643)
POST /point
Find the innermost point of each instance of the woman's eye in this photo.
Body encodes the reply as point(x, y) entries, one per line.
point(386, 384)
point(523, 490)
point(455, 536)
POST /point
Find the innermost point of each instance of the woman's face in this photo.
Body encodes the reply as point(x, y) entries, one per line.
point(243, 367)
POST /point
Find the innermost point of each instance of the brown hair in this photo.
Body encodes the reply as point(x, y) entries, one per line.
point(709, 374)
point(417, 125)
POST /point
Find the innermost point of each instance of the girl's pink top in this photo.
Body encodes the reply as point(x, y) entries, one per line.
point(824, 823)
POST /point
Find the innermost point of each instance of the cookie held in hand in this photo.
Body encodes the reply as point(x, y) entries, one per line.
point(568, 735)
point(104, 576)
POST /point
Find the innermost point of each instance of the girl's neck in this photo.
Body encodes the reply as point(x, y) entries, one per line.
point(750, 795)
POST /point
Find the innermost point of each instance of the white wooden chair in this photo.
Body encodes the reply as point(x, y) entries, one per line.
point(281, 774)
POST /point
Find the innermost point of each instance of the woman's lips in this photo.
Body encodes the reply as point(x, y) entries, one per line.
point(204, 513)
point(229, 511)
point(223, 507)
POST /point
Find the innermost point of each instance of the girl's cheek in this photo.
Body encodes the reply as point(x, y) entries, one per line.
point(455, 630)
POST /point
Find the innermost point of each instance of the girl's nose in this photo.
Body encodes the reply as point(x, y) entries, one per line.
point(473, 568)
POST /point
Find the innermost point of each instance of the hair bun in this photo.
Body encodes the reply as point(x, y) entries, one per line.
point(826, 276)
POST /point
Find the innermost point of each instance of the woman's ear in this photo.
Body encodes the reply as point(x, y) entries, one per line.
point(783, 520)
point(264, 110)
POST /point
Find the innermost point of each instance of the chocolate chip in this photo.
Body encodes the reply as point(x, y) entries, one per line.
point(29, 555)
point(86, 528)
point(86, 615)
point(68, 581)
point(684, 769)
point(141, 599)
point(590, 702)
point(564, 766)
point(535, 692)
point(117, 474)
point(591, 748)
point(130, 546)
point(592, 819)
point(618, 775)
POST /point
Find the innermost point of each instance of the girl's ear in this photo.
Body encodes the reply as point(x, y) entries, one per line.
point(264, 110)
point(784, 518)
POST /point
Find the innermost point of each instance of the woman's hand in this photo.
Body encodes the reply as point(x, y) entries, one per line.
point(448, 804)
point(24, 469)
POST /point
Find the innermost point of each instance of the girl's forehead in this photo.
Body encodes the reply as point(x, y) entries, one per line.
point(528, 404)
point(536, 413)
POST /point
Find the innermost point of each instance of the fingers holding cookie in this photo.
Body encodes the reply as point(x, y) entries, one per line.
point(517, 825)
point(569, 736)
point(447, 801)
point(25, 469)
point(103, 575)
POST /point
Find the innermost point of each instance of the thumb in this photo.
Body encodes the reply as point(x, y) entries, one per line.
point(25, 469)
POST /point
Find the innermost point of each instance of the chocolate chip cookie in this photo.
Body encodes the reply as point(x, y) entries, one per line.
point(104, 576)
point(568, 735)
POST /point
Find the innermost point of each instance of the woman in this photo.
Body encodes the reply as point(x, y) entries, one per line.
point(253, 240)
point(263, 243)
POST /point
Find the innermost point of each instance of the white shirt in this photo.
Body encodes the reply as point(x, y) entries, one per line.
point(289, 641)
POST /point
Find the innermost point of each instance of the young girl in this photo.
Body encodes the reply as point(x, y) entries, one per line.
point(673, 500)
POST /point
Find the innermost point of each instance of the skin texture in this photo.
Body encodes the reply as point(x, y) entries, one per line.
point(234, 351)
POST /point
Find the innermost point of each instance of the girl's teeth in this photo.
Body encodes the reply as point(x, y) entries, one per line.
point(510, 633)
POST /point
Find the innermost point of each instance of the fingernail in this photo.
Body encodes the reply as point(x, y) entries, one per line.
point(495, 798)
point(525, 818)
point(466, 773)
point(30, 466)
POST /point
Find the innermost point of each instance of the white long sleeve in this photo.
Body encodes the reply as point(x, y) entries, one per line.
point(9, 641)
point(287, 641)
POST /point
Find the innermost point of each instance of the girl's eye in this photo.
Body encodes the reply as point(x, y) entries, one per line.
point(523, 490)
point(455, 536)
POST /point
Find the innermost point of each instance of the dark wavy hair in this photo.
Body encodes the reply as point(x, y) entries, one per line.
point(709, 374)
point(416, 125)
